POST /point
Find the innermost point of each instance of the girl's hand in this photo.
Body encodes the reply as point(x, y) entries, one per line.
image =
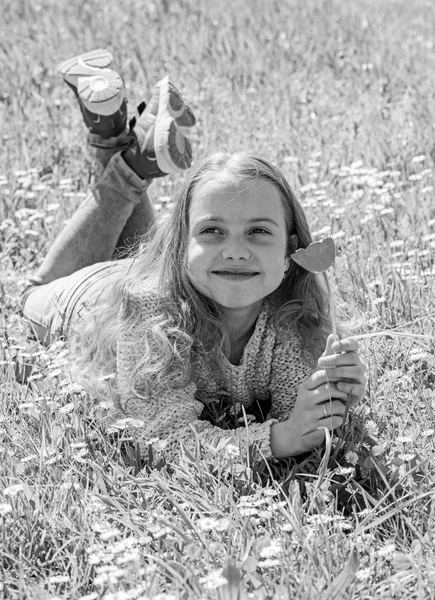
point(341, 377)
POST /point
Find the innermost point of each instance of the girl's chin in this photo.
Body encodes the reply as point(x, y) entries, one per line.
point(227, 305)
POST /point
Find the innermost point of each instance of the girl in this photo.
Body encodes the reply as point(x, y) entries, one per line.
point(210, 315)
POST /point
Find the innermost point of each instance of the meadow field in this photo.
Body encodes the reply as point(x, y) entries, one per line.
point(341, 96)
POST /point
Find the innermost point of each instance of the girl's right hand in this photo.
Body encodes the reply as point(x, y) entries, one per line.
point(344, 381)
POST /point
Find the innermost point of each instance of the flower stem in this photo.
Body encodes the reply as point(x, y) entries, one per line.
point(331, 306)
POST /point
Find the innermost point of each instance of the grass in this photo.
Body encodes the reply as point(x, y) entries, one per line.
point(340, 95)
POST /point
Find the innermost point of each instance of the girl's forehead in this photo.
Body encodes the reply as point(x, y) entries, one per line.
point(227, 187)
point(229, 198)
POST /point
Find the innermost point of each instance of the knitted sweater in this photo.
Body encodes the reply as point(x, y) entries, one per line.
point(269, 374)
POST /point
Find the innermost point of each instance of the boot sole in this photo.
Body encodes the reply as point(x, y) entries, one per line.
point(173, 150)
point(99, 88)
point(167, 96)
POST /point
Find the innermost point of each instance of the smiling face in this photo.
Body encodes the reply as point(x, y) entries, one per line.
point(237, 242)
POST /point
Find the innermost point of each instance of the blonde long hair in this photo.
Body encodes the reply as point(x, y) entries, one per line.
point(187, 324)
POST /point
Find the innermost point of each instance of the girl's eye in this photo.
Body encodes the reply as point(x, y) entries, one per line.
point(259, 231)
point(212, 230)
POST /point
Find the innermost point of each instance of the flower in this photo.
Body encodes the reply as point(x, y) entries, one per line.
point(372, 428)
point(272, 551)
point(59, 578)
point(362, 574)
point(267, 563)
point(13, 490)
point(387, 550)
point(317, 257)
point(208, 523)
point(5, 509)
point(351, 457)
point(214, 580)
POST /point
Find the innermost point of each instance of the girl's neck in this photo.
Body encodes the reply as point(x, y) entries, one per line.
point(239, 326)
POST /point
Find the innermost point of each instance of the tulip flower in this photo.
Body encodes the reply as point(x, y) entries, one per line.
point(318, 257)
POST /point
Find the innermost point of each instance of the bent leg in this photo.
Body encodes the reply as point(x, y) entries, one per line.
point(93, 232)
point(54, 310)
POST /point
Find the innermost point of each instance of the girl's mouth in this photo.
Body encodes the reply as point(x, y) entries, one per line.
point(235, 275)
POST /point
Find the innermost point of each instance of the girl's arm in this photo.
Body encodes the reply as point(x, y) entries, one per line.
point(168, 419)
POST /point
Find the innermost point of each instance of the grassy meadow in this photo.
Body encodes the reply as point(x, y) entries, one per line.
point(341, 96)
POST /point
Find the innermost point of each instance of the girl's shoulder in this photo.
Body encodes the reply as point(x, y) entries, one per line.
point(284, 331)
point(141, 298)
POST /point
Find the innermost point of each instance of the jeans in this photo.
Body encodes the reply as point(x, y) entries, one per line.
point(54, 310)
point(78, 268)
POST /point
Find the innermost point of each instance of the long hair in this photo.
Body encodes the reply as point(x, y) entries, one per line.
point(187, 324)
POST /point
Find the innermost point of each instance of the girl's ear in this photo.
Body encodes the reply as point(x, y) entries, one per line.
point(294, 242)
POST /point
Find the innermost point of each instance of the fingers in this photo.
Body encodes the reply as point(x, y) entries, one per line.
point(336, 346)
point(348, 373)
point(336, 360)
point(331, 423)
point(331, 409)
point(329, 415)
point(355, 390)
point(325, 392)
point(329, 343)
point(348, 344)
point(344, 373)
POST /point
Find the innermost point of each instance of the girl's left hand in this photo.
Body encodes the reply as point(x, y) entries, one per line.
point(340, 377)
point(343, 367)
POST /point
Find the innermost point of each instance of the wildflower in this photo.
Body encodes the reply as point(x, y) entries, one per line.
point(209, 523)
point(271, 551)
point(161, 532)
point(362, 574)
point(406, 457)
point(351, 457)
point(59, 578)
point(388, 550)
point(345, 471)
point(404, 439)
point(278, 505)
point(109, 533)
point(214, 580)
point(13, 490)
point(345, 526)
point(269, 492)
point(5, 509)
point(248, 512)
point(126, 557)
point(372, 428)
point(269, 562)
point(231, 451)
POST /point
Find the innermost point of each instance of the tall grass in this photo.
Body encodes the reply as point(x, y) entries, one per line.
point(340, 95)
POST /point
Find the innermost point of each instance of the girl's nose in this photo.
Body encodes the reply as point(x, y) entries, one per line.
point(235, 250)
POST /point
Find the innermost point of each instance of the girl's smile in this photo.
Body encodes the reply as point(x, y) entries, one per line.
point(237, 242)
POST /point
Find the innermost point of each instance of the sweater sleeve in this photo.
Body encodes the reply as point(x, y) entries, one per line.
point(289, 371)
point(160, 418)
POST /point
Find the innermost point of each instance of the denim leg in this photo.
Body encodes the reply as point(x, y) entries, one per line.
point(56, 309)
point(92, 234)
